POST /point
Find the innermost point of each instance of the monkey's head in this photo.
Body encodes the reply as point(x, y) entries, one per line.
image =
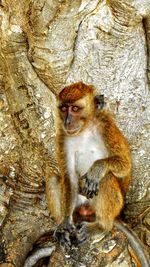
point(76, 107)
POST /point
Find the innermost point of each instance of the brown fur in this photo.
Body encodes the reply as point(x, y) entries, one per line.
point(75, 92)
point(108, 203)
point(120, 160)
point(113, 186)
point(114, 170)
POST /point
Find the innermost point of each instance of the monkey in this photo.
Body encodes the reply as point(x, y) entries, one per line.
point(99, 102)
point(94, 168)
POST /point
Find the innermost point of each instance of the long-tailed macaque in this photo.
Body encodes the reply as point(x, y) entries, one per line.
point(95, 168)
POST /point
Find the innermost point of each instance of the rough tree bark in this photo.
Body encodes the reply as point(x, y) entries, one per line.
point(46, 44)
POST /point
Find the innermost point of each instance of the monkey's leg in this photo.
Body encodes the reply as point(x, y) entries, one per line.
point(109, 201)
point(107, 205)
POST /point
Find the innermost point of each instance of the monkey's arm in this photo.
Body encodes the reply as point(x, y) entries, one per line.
point(55, 195)
point(61, 196)
point(118, 162)
point(59, 206)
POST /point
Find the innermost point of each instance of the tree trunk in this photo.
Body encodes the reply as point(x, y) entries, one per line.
point(45, 45)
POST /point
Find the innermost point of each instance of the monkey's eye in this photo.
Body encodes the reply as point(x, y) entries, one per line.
point(63, 108)
point(75, 108)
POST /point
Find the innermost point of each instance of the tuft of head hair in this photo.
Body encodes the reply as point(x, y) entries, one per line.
point(75, 91)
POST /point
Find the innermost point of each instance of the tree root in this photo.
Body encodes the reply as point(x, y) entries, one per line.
point(37, 255)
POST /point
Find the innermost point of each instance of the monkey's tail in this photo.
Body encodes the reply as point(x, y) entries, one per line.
point(135, 243)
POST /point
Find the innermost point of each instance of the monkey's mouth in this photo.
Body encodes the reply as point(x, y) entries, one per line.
point(73, 131)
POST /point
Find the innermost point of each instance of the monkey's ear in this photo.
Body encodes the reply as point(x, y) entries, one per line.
point(99, 101)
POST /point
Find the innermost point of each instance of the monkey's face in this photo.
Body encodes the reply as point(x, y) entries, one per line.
point(75, 115)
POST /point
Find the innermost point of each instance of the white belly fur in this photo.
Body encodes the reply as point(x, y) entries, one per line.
point(82, 151)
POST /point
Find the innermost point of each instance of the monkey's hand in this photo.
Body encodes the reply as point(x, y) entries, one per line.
point(80, 235)
point(89, 182)
point(64, 232)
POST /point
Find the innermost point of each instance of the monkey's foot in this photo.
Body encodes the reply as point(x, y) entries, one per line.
point(81, 234)
point(63, 234)
point(90, 187)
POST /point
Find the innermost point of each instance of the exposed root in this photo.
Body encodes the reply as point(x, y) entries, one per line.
point(37, 255)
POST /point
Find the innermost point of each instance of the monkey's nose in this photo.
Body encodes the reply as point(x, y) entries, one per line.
point(68, 119)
